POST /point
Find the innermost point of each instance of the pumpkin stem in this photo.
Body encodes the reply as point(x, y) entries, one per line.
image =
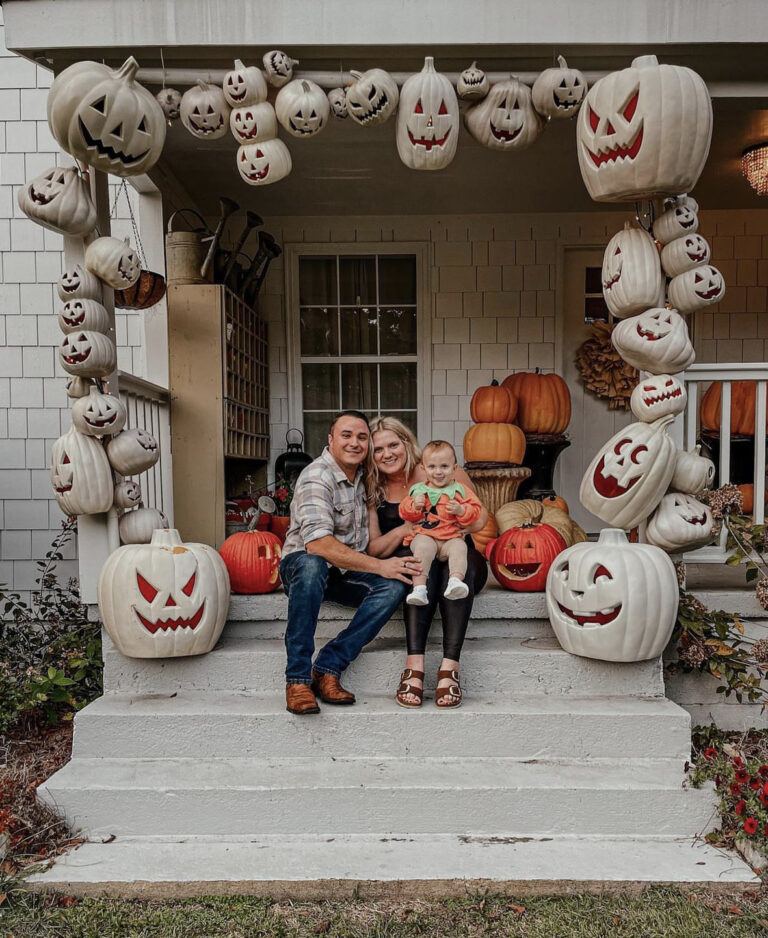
point(429, 64)
point(561, 62)
point(238, 65)
point(203, 85)
point(305, 86)
point(494, 383)
point(127, 71)
point(355, 74)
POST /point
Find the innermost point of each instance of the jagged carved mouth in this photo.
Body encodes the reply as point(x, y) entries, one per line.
point(648, 335)
point(708, 294)
point(171, 625)
point(603, 617)
point(618, 153)
point(520, 571)
point(105, 150)
point(659, 398)
point(375, 110)
point(614, 280)
point(506, 136)
point(564, 105)
point(122, 271)
point(76, 358)
point(247, 134)
point(429, 143)
point(200, 129)
point(40, 197)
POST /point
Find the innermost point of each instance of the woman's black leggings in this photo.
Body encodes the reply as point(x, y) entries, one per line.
point(455, 613)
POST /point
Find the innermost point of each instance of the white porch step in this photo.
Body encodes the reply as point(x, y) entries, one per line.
point(372, 866)
point(216, 725)
point(272, 796)
point(509, 665)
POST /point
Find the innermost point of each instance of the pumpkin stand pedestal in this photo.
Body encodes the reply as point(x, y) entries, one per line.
point(541, 455)
point(496, 483)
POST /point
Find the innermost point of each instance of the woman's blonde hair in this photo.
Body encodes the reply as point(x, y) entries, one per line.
point(375, 484)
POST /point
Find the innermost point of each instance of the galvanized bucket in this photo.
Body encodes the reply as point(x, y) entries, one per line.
point(185, 250)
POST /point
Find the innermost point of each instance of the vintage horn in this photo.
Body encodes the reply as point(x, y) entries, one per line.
point(272, 250)
point(227, 207)
point(252, 220)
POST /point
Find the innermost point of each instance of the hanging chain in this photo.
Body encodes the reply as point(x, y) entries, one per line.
point(123, 187)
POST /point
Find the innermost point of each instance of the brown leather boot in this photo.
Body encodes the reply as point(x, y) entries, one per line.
point(299, 699)
point(328, 688)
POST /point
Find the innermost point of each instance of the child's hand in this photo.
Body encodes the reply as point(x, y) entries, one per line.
point(419, 501)
point(455, 508)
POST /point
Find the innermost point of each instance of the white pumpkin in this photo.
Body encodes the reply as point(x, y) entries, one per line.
point(132, 451)
point(628, 477)
point(632, 277)
point(113, 261)
point(105, 118)
point(98, 414)
point(279, 67)
point(702, 286)
point(680, 219)
point(613, 600)
point(337, 98)
point(59, 199)
point(88, 354)
point(169, 100)
point(76, 315)
point(693, 472)
point(204, 111)
point(253, 123)
point(472, 84)
point(644, 131)
point(683, 254)
point(302, 108)
point(165, 599)
point(137, 526)
point(78, 387)
point(78, 284)
point(427, 131)
point(244, 85)
point(656, 341)
point(80, 475)
point(559, 92)
point(680, 523)
point(261, 164)
point(372, 97)
point(658, 396)
point(127, 494)
point(505, 119)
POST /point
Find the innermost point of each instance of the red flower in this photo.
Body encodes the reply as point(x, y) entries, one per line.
point(763, 771)
point(710, 754)
point(765, 788)
point(742, 776)
point(755, 784)
point(750, 825)
point(740, 806)
point(735, 788)
point(738, 761)
point(763, 799)
point(765, 830)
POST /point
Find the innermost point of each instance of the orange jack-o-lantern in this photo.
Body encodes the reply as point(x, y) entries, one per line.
point(521, 557)
point(427, 120)
point(253, 561)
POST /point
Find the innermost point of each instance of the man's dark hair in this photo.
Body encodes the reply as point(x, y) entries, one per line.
point(349, 413)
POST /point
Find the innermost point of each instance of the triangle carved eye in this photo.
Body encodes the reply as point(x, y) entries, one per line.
point(100, 105)
point(142, 128)
point(594, 120)
point(631, 106)
point(443, 109)
point(145, 588)
point(418, 109)
point(187, 590)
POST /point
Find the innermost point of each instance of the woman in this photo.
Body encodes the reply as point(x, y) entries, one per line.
point(395, 469)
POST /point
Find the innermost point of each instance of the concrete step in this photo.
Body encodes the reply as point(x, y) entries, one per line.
point(273, 796)
point(337, 619)
point(514, 665)
point(395, 867)
point(210, 725)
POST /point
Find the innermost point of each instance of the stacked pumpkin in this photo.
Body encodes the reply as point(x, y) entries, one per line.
point(495, 438)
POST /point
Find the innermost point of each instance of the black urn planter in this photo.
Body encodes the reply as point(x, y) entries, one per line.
point(541, 456)
point(742, 456)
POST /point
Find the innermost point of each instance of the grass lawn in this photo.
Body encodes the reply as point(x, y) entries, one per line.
point(665, 913)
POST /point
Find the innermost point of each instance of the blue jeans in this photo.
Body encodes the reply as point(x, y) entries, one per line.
point(308, 580)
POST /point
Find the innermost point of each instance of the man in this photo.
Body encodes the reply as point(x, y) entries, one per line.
point(324, 558)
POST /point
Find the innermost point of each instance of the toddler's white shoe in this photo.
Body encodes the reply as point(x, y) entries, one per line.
point(456, 589)
point(418, 597)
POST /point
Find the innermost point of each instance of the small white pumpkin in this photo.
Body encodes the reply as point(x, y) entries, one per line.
point(279, 67)
point(78, 387)
point(372, 97)
point(76, 315)
point(427, 130)
point(632, 277)
point(680, 523)
point(138, 525)
point(88, 354)
point(78, 284)
point(59, 199)
point(657, 396)
point(169, 100)
point(473, 83)
point(98, 414)
point(559, 92)
point(693, 472)
point(132, 451)
point(113, 261)
point(244, 85)
point(204, 111)
point(302, 108)
point(337, 98)
point(253, 123)
point(702, 286)
point(505, 119)
point(80, 475)
point(127, 494)
point(684, 254)
point(260, 164)
point(613, 600)
point(680, 219)
point(656, 341)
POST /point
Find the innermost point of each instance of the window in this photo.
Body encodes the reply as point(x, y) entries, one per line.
point(595, 309)
point(357, 338)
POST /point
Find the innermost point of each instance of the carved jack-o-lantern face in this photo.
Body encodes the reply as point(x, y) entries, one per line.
point(253, 123)
point(113, 261)
point(696, 288)
point(244, 85)
point(302, 108)
point(204, 111)
point(80, 475)
point(658, 396)
point(505, 119)
point(559, 92)
point(78, 283)
point(427, 120)
point(693, 472)
point(60, 200)
point(261, 164)
point(179, 607)
point(656, 341)
point(520, 558)
point(98, 414)
point(684, 253)
point(632, 277)
point(708, 283)
point(472, 83)
point(620, 468)
point(279, 67)
point(132, 451)
point(372, 98)
point(127, 494)
point(88, 354)
point(77, 315)
point(169, 100)
point(337, 98)
point(680, 219)
point(253, 561)
point(681, 522)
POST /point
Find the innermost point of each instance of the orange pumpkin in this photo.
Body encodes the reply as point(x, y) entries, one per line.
point(543, 401)
point(555, 501)
point(253, 560)
point(486, 534)
point(493, 404)
point(494, 442)
point(742, 407)
point(748, 498)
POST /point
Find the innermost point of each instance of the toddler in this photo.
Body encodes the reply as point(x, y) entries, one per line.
point(440, 508)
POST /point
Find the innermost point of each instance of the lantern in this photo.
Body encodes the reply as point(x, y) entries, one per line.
point(656, 341)
point(244, 85)
point(169, 100)
point(253, 123)
point(98, 414)
point(472, 84)
point(632, 277)
point(684, 253)
point(253, 561)
point(302, 108)
point(279, 67)
point(204, 111)
point(261, 164)
point(132, 451)
point(76, 315)
point(372, 98)
point(427, 131)
point(88, 354)
point(521, 557)
point(702, 286)
point(289, 464)
point(113, 261)
point(680, 219)
point(657, 396)
point(505, 119)
point(80, 475)
point(59, 199)
point(558, 92)
point(680, 523)
point(78, 284)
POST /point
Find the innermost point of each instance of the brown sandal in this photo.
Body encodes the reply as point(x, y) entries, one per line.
point(453, 690)
point(405, 687)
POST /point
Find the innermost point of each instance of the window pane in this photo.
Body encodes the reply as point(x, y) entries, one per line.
point(595, 309)
point(593, 280)
point(359, 387)
point(316, 431)
point(357, 281)
point(317, 281)
point(397, 331)
point(398, 386)
point(319, 331)
point(358, 331)
point(397, 279)
point(320, 387)
point(408, 417)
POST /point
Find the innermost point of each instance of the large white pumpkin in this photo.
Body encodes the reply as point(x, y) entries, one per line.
point(643, 132)
point(98, 414)
point(132, 451)
point(656, 341)
point(680, 523)
point(244, 85)
point(696, 288)
point(278, 67)
point(680, 219)
point(113, 261)
point(165, 599)
point(693, 472)
point(559, 92)
point(78, 284)
point(106, 118)
point(628, 477)
point(204, 111)
point(88, 354)
point(427, 131)
point(658, 396)
point(632, 277)
point(76, 315)
point(80, 475)
point(613, 600)
point(138, 526)
point(302, 108)
point(505, 119)
point(261, 164)
point(253, 123)
point(472, 84)
point(684, 254)
point(372, 97)
point(59, 199)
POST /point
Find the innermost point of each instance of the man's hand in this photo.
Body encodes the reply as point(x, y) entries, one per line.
point(455, 508)
point(419, 501)
point(399, 568)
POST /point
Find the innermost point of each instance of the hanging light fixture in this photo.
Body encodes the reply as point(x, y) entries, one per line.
point(754, 166)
